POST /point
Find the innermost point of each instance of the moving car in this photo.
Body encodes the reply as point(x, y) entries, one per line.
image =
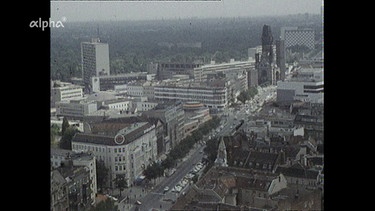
point(138, 202)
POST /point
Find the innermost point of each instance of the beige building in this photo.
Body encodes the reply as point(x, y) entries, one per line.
point(126, 149)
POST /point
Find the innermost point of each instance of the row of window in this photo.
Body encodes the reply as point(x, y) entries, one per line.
point(96, 148)
point(119, 158)
point(120, 168)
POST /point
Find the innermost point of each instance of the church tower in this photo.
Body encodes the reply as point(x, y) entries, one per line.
point(221, 158)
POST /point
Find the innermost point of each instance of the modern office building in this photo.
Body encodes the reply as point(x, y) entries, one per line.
point(75, 109)
point(168, 70)
point(141, 88)
point(232, 67)
point(213, 95)
point(126, 149)
point(280, 59)
point(95, 61)
point(294, 36)
point(305, 85)
point(109, 82)
point(63, 91)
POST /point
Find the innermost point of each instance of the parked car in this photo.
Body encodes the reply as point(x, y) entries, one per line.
point(166, 189)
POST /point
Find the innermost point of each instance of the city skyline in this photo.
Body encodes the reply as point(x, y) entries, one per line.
point(77, 11)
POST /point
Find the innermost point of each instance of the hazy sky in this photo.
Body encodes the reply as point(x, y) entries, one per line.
point(141, 10)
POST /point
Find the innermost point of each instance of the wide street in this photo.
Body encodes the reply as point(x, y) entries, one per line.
point(156, 198)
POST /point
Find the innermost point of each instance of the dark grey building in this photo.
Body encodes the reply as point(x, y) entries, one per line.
point(266, 59)
point(280, 59)
point(168, 70)
point(171, 114)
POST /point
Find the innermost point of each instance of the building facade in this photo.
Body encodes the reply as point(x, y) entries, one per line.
point(294, 36)
point(109, 82)
point(201, 73)
point(172, 116)
point(305, 85)
point(213, 97)
point(126, 153)
point(65, 92)
point(95, 61)
point(168, 70)
point(75, 109)
point(59, 157)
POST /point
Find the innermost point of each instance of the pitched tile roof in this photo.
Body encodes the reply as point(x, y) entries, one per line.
point(297, 171)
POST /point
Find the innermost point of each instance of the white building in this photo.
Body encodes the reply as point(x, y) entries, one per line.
point(126, 152)
point(212, 96)
point(306, 85)
point(145, 105)
point(95, 61)
point(63, 91)
point(121, 104)
point(141, 89)
point(200, 73)
point(108, 82)
point(75, 109)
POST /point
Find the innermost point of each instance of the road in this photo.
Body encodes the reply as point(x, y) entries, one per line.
point(156, 199)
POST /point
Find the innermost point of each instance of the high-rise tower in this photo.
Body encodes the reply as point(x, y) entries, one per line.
point(280, 58)
point(95, 61)
point(267, 41)
point(264, 66)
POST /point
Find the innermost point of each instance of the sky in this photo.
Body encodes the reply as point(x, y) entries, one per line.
point(150, 10)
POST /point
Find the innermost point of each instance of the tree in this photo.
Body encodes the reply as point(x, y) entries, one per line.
point(211, 149)
point(243, 96)
point(66, 139)
point(64, 126)
point(107, 205)
point(169, 162)
point(120, 182)
point(101, 174)
point(55, 130)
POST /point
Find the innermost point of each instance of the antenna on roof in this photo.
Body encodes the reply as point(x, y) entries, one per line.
point(97, 30)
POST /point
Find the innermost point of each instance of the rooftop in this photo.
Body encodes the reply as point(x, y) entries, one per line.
point(130, 133)
point(297, 171)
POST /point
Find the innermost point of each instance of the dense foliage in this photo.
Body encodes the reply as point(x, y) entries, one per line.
point(134, 44)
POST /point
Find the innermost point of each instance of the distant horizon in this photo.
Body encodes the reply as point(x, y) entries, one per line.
point(194, 18)
point(76, 11)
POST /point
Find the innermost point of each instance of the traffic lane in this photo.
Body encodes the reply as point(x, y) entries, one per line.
point(154, 198)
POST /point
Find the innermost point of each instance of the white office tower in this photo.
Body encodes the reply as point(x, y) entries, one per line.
point(95, 61)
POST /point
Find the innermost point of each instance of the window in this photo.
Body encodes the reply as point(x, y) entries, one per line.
point(116, 159)
point(116, 168)
point(120, 168)
point(119, 150)
point(115, 150)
